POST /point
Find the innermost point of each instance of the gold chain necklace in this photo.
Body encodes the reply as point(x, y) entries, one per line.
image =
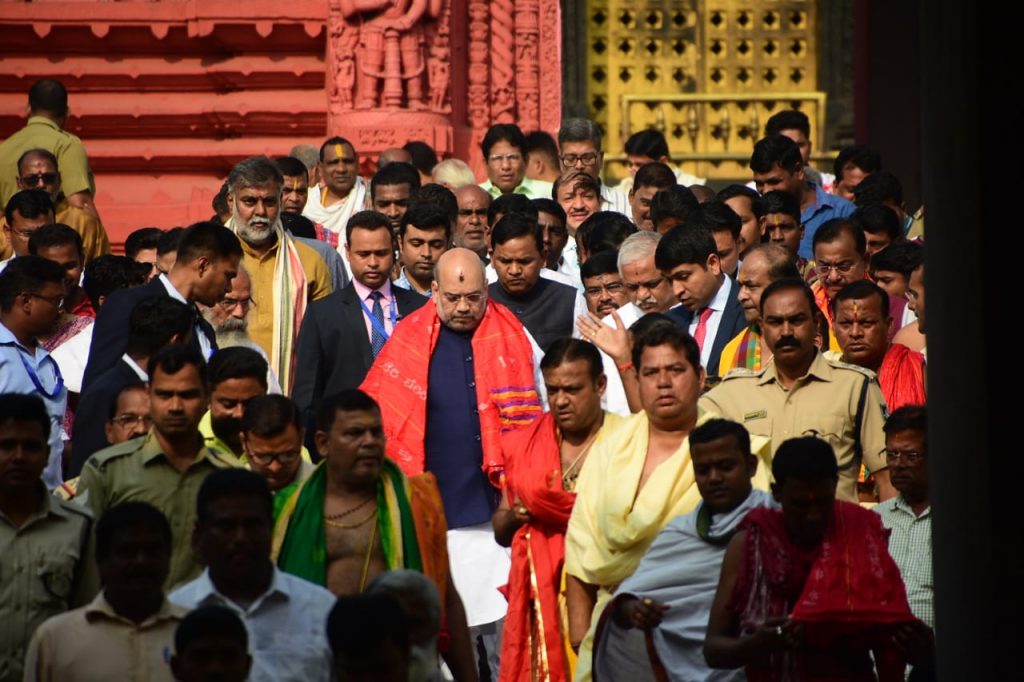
point(350, 526)
point(571, 473)
point(335, 517)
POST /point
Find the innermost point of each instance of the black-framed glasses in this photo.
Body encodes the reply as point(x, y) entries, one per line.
point(282, 458)
point(55, 301)
point(612, 288)
point(570, 160)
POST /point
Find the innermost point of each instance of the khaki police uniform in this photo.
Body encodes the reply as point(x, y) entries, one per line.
point(824, 402)
point(42, 573)
point(137, 470)
point(42, 133)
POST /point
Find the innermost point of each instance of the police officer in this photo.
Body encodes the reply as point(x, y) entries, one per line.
point(43, 540)
point(801, 393)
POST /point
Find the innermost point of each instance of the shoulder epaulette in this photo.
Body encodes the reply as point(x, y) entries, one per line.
point(857, 368)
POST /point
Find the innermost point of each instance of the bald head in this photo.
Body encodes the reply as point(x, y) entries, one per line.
point(762, 265)
point(460, 290)
point(394, 155)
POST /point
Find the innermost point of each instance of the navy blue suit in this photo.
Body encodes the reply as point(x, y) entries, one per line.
point(731, 324)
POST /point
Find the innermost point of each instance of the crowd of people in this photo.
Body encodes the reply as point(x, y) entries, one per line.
point(416, 426)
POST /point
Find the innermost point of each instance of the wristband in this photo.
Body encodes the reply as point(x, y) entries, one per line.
point(624, 366)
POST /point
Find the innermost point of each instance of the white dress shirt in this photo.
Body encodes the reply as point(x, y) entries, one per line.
point(205, 342)
point(717, 306)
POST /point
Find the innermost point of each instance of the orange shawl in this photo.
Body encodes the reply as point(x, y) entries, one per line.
point(506, 395)
point(534, 476)
point(901, 377)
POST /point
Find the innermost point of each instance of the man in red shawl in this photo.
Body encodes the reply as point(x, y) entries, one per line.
point(540, 489)
point(809, 592)
point(452, 378)
point(862, 323)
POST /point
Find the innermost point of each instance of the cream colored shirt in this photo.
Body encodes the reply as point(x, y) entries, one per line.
point(94, 644)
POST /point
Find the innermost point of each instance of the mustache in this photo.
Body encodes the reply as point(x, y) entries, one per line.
point(787, 342)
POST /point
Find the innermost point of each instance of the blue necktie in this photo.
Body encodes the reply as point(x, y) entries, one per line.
point(376, 336)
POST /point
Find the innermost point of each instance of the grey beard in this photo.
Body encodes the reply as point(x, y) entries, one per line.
point(255, 236)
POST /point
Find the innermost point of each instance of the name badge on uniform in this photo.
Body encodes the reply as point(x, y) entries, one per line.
point(759, 414)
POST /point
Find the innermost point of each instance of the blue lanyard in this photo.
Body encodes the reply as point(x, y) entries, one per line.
point(58, 386)
point(377, 323)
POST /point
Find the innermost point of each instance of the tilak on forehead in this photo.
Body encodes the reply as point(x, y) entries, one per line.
point(460, 273)
point(295, 184)
point(339, 150)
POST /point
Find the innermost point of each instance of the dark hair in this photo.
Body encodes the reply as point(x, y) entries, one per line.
point(878, 218)
point(25, 407)
point(780, 261)
point(220, 202)
point(567, 349)
point(602, 263)
point(775, 150)
point(539, 143)
point(832, 230)
point(580, 130)
point(125, 515)
point(254, 171)
point(789, 284)
point(713, 429)
point(877, 188)
point(367, 220)
point(396, 173)
point(357, 625)
point(269, 415)
point(212, 240)
point(349, 400)
point(703, 193)
point(788, 119)
point(509, 203)
point(908, 418)
point(516, 225)
point(654, 174)
point(290, 166)
point(297, 224)
point(232, 482)
point(604, 231)
point(673, 202)
point(665, 334)
point(903, 257)
point(170, 240)
point(649, 143)
point(54, 234)
point(46, 154)
point(173, 357)
point(858, 155)
point(733, 191)
point(805, 459)
point(715, 216)
point(549, 206)
point(777, 201)
point(130, 386)
point(684, 244)
point(579, 180)
point(141, 239)
point(48, 95)
point(27, 274)
point(333, 141)
point(154, 321)
point(426, 217)
point(30, 204)
point(503, 132)
point(433, 194)
point(237, 362)
point(424, 158)
point(207, 621)
point(859, 290)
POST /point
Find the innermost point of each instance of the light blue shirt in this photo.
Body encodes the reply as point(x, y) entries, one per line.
point(825, 207)
point(17, 365)
point(403, 282)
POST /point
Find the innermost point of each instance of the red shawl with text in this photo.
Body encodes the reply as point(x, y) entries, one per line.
point(534, 476)
point(901, 377)
point(844, 592)
point(506, 395)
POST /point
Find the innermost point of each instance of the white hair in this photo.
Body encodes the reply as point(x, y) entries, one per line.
point(455, 173)
point(412, 583)
point(637, 246)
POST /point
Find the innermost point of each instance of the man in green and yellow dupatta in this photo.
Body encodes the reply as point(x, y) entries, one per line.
point(358, 515)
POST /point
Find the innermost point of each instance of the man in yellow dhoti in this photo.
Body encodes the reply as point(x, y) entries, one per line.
point(625, 503)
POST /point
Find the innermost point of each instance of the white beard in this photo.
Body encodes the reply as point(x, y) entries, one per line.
point(423, 665)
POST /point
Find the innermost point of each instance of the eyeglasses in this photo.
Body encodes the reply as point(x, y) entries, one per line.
point(570, 160)
point(282, 458)
point(472, 299)
point(824, 268)
point(35, 180)
point(230, 303)
point(130, 420)
point(909, 457)
point(612, 289)
point(501, 158)
point(55, 301)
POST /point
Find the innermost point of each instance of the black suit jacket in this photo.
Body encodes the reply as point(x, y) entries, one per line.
point(733, 322)
point(333, 348)
point(89, 435)
point(110, 335)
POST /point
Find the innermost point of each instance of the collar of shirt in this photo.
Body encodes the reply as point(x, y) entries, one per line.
point(211, 439)
point(721, 297)
point(819, 369)
point(403, 282)
point(151, 450)
point(822, 199)
point(100, 608)
point(363, 292)
point(139, 371)
point(902, 505)
point(269, 254)
point(50, 506)
point(42, 121)
point(171, 291)
point(7, 338)
point(206, 591)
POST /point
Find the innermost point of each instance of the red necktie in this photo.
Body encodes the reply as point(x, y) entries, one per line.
point(702, 327)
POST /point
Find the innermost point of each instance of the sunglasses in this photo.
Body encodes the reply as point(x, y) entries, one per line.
point(34, 180)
